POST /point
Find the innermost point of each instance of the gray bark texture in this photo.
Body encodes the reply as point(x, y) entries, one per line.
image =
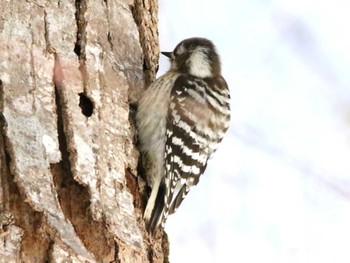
point(69, 184)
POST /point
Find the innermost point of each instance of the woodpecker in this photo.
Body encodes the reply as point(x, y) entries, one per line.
point(181, 119)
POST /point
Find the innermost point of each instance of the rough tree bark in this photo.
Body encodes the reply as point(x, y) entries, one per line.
point(69, 189)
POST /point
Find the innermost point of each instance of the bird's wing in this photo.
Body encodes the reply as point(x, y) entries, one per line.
point(193, 132)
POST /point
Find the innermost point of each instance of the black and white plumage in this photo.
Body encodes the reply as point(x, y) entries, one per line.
point(181, 119)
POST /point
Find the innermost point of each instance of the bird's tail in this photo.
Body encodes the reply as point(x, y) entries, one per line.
point(154, 212)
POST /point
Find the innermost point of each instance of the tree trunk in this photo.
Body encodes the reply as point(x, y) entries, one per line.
point(69, 188)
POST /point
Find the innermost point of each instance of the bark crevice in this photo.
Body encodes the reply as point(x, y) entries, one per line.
point(46, 33)
point(79, 49)
point(80, 43)
point(145, 16)
point(5, 158)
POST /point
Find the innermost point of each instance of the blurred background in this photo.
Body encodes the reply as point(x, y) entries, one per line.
point(278, 188)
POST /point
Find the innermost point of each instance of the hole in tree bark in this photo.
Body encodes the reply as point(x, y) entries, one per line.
point(86, 105)
point(77, 49)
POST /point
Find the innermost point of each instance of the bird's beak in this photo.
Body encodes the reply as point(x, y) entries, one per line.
point(167, 54)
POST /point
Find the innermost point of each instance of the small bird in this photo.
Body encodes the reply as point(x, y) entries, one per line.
point(181, 119)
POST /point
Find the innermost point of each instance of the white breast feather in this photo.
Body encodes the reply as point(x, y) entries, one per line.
point(151, 119)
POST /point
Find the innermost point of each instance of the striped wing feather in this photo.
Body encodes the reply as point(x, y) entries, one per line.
point(190, 138)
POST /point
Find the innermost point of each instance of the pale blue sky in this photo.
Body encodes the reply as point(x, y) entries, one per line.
point(278, 189)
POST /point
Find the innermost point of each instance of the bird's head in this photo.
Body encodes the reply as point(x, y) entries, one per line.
point(195, 56)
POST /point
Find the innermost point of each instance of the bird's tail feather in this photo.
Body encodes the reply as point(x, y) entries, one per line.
point(157, 216)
